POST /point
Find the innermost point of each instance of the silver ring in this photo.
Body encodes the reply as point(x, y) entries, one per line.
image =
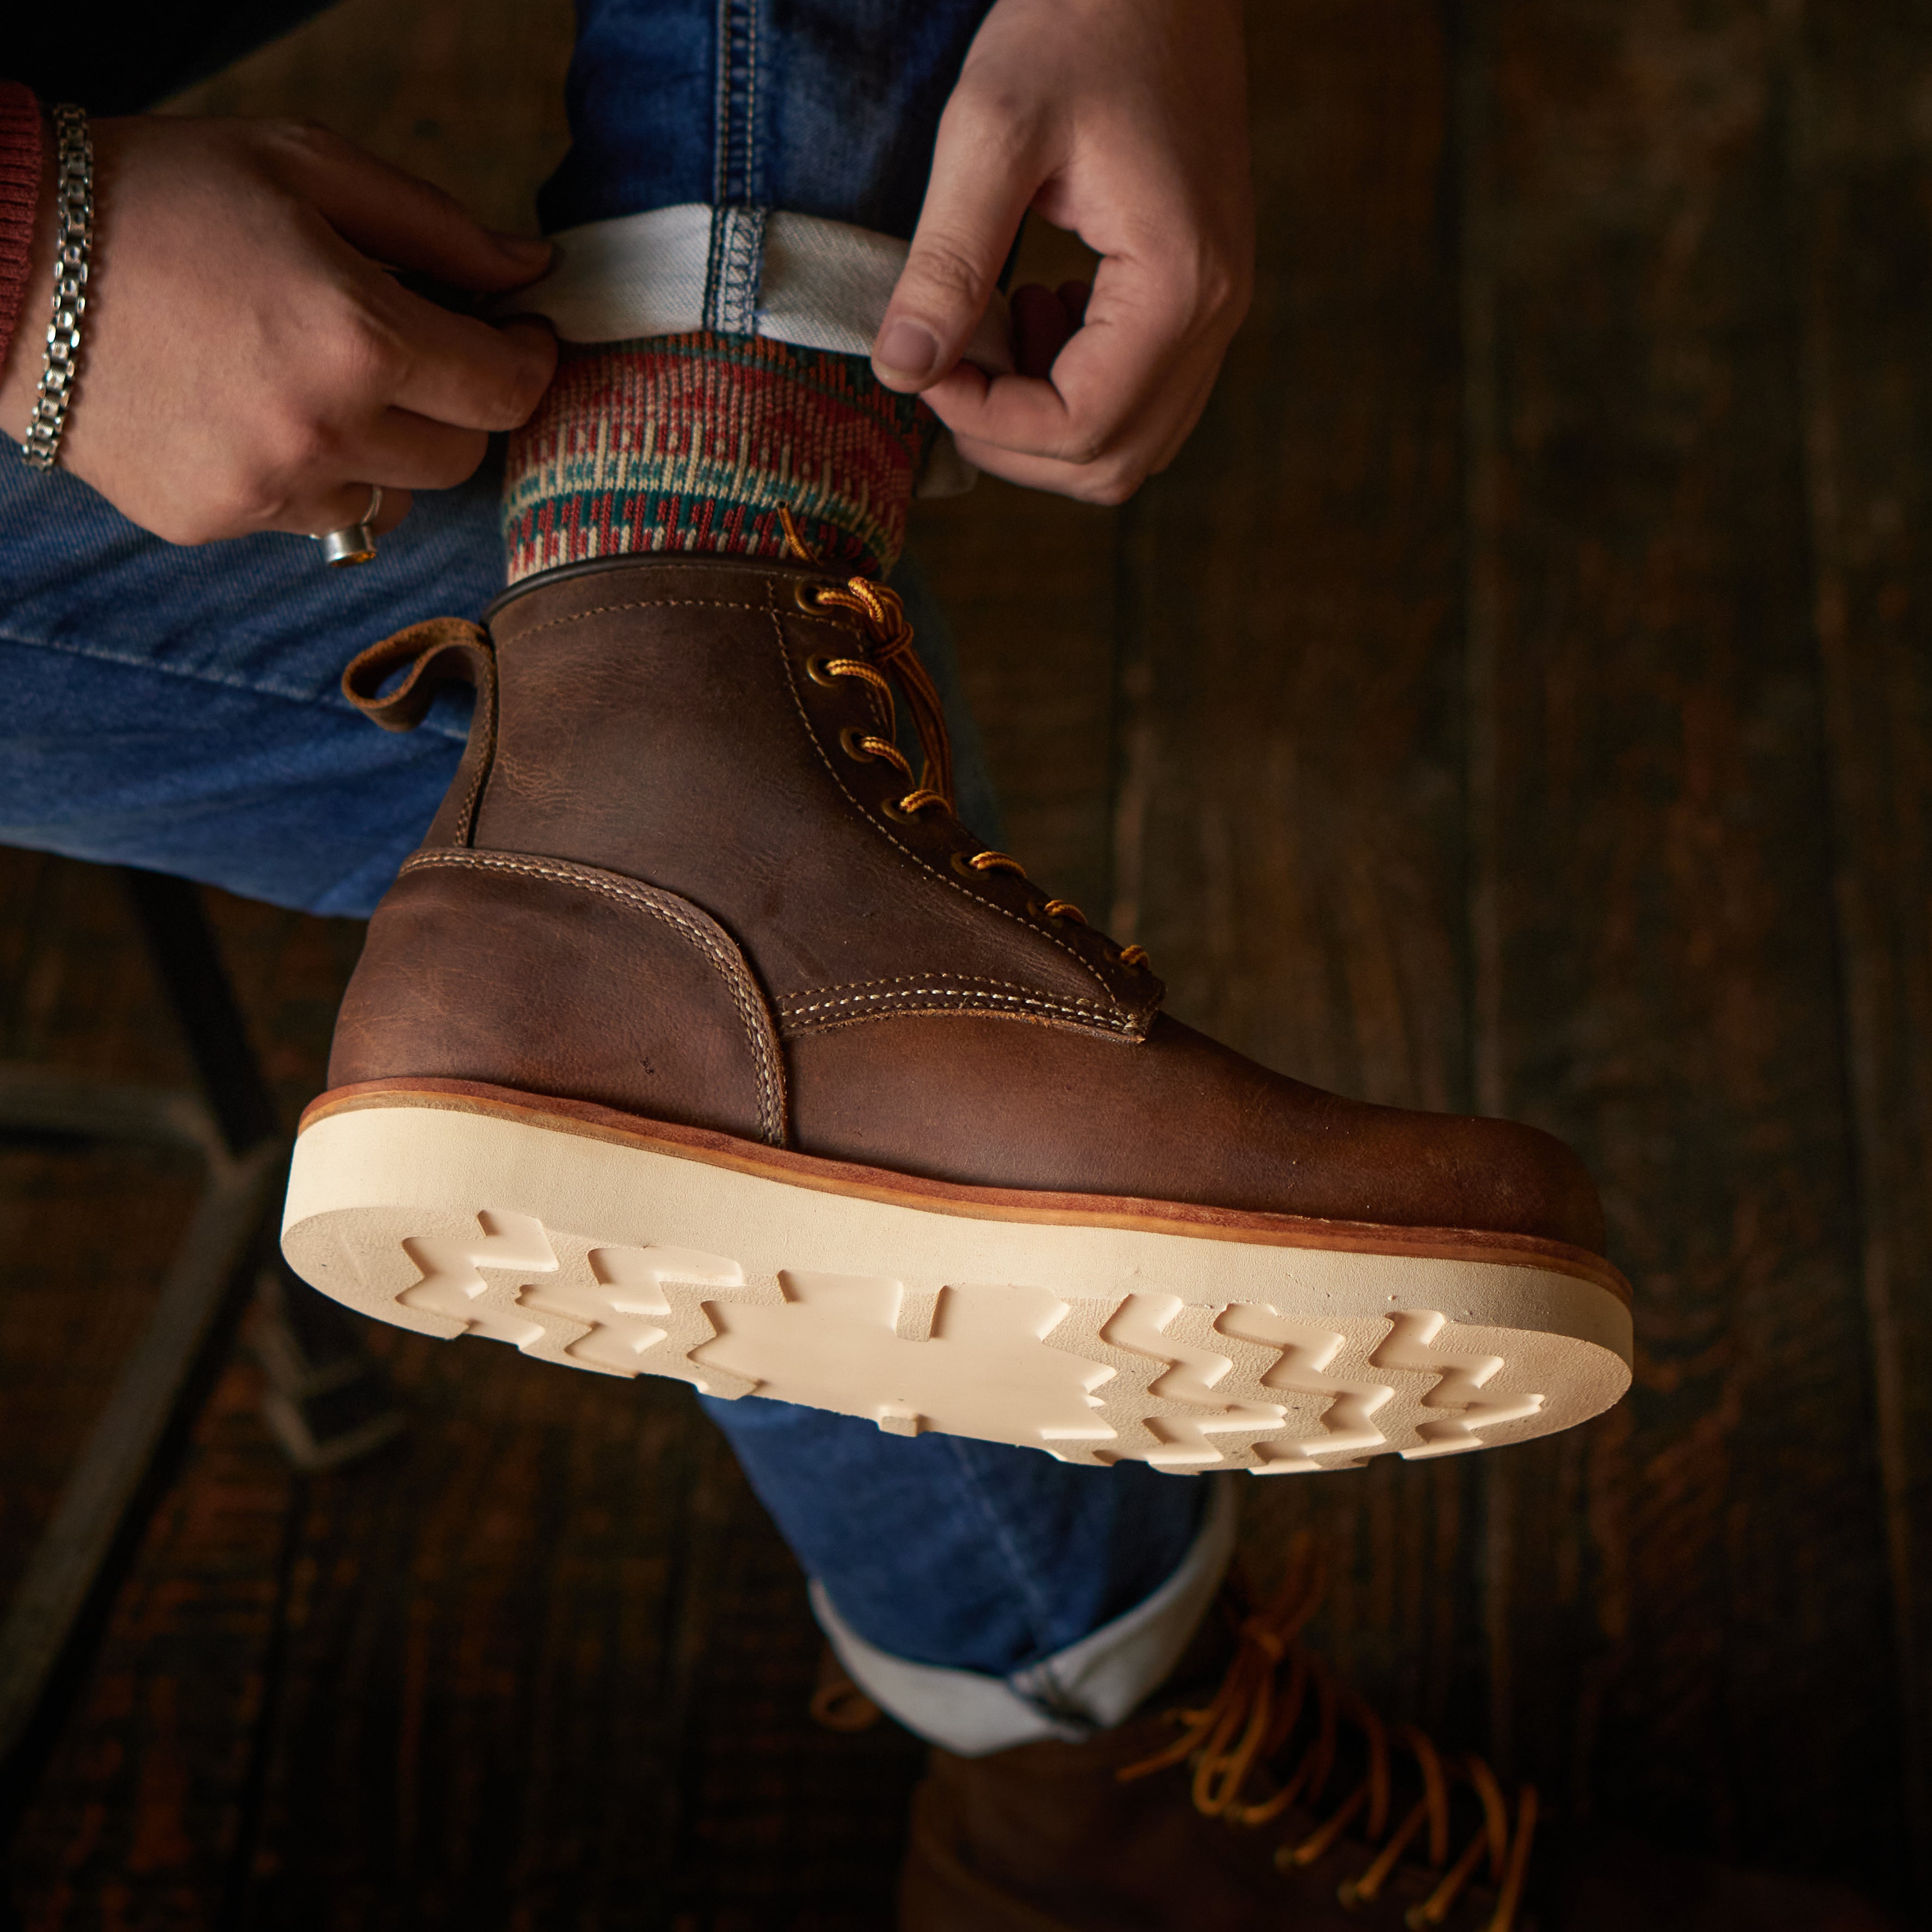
point(354, 543)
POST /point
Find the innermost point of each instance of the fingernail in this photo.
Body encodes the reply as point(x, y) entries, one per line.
point(907, 348)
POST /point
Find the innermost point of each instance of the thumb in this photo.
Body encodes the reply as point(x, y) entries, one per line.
point(983, 179)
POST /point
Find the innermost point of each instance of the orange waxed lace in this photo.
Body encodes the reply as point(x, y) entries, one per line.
point(1254, 1714)
point(882, 613)
point(881, 610)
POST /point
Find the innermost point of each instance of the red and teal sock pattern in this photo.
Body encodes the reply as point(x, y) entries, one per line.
point(695, 443)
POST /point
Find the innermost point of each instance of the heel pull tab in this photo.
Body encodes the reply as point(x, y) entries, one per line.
point(446, 650)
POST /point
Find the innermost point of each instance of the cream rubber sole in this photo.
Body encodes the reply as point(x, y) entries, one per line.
point(1093, 1328)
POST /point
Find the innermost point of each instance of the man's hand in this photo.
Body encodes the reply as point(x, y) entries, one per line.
point(246, 363)
point(1125, 120)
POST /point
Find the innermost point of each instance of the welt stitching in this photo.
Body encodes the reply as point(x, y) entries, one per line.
point(905, 851)
point(732, 969)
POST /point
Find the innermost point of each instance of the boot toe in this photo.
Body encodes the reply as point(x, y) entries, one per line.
point(1407, 1169)
point(1518, 1180)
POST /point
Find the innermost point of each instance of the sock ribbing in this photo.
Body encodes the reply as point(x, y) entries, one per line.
point(693, 442)
point(20, 161)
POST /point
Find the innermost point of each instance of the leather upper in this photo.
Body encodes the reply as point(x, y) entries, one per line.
point(663, 720)
point(664, 749)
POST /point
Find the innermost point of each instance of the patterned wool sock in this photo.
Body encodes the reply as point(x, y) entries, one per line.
point(695, 443)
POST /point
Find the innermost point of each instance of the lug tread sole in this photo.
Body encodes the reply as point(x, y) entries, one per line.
point(1095, 1329)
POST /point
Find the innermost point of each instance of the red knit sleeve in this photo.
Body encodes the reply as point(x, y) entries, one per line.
point(20, 199)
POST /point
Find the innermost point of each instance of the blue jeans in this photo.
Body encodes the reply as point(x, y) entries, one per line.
point(178, 709)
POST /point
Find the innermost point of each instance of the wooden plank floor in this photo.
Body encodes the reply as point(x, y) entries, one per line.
point(1517, 696)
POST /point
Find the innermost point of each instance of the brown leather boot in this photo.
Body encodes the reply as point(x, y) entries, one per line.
point(1274, 1802)
point(699, 1039)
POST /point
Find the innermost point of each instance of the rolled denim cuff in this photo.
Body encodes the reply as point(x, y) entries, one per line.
point(1091, 1685)
point(796, 278)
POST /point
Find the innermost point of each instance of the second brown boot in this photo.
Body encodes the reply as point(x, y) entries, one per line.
point(1258, 1794)
point(699, 1039)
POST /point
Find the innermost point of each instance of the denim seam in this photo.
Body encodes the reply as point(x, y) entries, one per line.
point(734, 257)
point(738, 53)
point(1038, 1605)
point(722, 111)
point(714, 268)
point(1055, 1696)
point(733, 270)
point(342, 708)
point(751, 97)
point(744, 290)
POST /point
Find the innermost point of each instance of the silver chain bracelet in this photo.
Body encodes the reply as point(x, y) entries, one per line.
point(73, 203)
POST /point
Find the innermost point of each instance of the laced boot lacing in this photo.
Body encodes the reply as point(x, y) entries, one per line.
point(881, 611)
point(1253, 1718)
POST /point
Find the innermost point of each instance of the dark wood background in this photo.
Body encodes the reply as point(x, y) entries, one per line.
point(1516, 697)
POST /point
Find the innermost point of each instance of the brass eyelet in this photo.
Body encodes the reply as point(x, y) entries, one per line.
point(848, 743)
point(962, 864)
point(1035, 906)
point(895, 811)
point(805, 594)
point(816, 669)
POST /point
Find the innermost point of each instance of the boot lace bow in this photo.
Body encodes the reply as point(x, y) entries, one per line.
point(1277, 1696)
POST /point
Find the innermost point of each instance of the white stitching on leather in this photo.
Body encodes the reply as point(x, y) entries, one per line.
point(648, 898)
point(778, 618)
point(956, 981)
point(791, 1010)
point(510, 632)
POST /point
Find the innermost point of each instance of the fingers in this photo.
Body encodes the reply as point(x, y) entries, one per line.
point(1110, 478)
point(985, 172)
point(457, 370)
point(1112, 371)
point(400, 451)
point(1075, 416)
point(399, 219)
point(1092, 410)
